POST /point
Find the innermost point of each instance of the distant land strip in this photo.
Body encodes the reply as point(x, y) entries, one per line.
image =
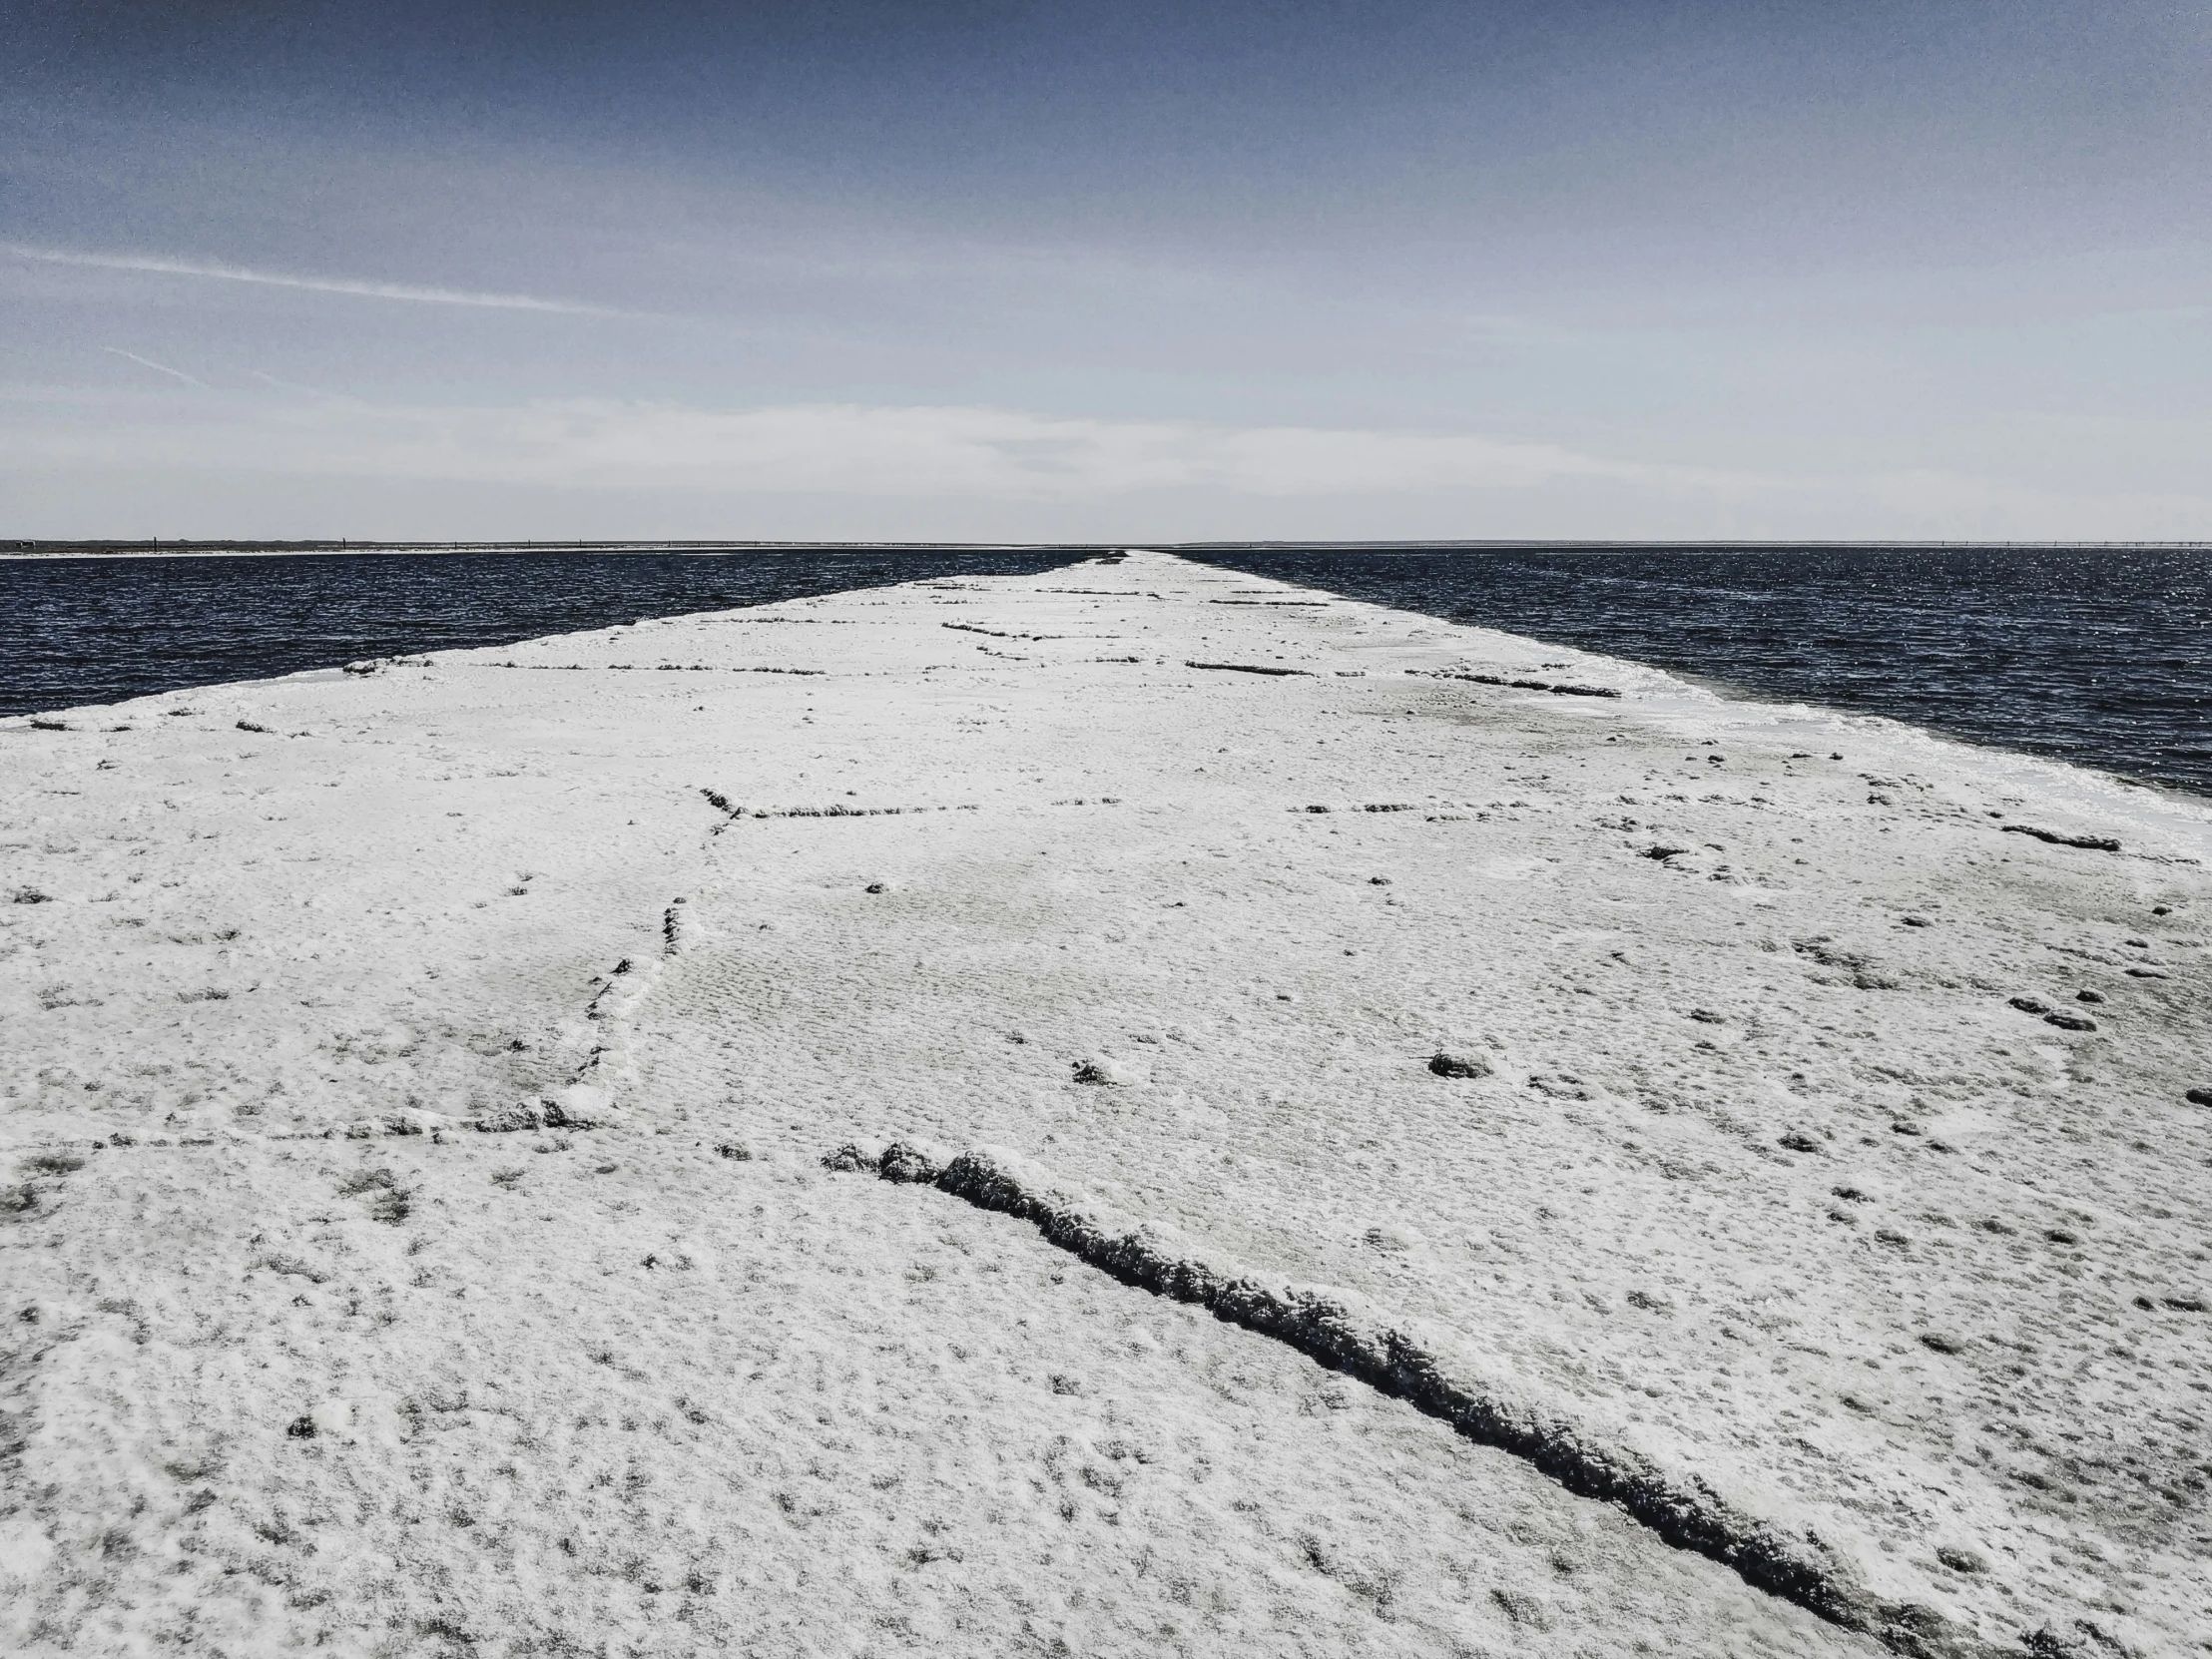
point(177, 548)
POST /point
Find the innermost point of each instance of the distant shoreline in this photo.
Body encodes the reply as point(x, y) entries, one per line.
point(41, 549)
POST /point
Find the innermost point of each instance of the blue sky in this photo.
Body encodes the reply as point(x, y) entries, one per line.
point(1132, 272)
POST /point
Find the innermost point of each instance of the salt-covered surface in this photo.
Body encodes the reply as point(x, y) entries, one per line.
point(418, 1083)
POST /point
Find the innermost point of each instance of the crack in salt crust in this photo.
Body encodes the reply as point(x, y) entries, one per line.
point(1684, 1510)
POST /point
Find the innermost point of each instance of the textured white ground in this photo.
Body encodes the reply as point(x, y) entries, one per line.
point(1768, 1178)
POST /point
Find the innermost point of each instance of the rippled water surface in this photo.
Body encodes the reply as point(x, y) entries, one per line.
point(96, 630)
point(2097, 656)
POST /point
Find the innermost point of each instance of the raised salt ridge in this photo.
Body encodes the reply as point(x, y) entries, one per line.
point(1511, 1169)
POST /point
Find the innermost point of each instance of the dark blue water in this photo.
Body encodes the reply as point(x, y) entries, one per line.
point(2099, 656)
point(97, 630)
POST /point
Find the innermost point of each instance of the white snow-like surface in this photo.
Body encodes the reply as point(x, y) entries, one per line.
point(414, 1102)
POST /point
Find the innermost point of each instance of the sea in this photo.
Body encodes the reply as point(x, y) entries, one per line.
point(2099, 656)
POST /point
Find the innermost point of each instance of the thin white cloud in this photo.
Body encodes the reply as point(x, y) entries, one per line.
point(929, 452)
point(963, 468)
point(155, 265)
point(159, 368)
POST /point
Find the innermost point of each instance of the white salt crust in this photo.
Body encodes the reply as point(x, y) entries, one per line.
point(1745, 1163)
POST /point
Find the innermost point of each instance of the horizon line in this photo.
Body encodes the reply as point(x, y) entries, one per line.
point(35, 547)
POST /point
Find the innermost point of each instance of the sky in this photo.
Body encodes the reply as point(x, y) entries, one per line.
point(1007, 269)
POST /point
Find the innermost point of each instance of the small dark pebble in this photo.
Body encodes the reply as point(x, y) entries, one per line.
point(2184, 1303)
point(1917, 922)
point(1852, 1193)
point(877, 887)
point(731, 1149)
point(2070, 1022)
point(2199, 1097)
point(1379, 880)
point(1796, 1140)
point(1706, 1017)
point(300, 1429)
point(1901, 1127)
point(1941, 1342)
point(1889, 1236)
point(2089, 996)
point(2145, 973)
point(2028, 1006)
point(1459, 1065)
point(1960, 1560)
point(2161, 910)
point(2059, 1235)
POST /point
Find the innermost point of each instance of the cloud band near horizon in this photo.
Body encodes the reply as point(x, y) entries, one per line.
point(954, 458)
point(917, 451)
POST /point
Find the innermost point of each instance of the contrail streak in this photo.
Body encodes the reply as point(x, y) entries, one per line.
point(161, 267)
point(159, 368)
